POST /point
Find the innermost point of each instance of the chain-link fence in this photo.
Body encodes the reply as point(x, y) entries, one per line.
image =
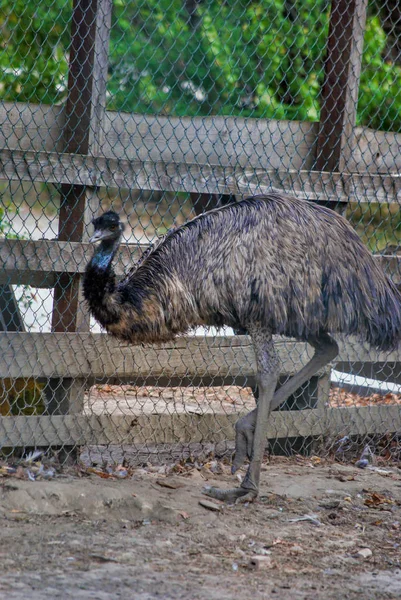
point(161, 110)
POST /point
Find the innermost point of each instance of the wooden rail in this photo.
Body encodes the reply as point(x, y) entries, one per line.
point(217, 141)
point(39, 263)
point(183, 428)
point(92, 171)
point(100, 356)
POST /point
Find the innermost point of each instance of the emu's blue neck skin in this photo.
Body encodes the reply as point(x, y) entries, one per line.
point(105, 254)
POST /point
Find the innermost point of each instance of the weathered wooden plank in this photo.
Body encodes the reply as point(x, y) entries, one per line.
point(196, 178)
point(375, 151)
point(138, 429)
point(39, 263)
point(101, 356)
point(224, 141)
point(341, 84)
point(26, 126)
point(205, 140)
point(183, 428)
point(88, 355)
point(361, 420)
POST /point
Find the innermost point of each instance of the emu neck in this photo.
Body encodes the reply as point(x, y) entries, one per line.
point(104, 254)
point(99, 283)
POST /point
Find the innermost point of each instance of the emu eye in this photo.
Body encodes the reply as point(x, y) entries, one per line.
point(112, 227)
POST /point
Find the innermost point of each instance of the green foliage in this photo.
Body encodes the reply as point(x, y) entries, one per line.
point(5, 225)
point(21, 397)
point(33, 60)
point(380, 88)
point(239, 58)
point(259, 59)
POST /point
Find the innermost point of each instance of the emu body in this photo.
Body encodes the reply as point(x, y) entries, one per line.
point(270, 265)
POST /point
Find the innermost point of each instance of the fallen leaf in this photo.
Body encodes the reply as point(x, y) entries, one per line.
point(7, 470)
point(375, 500)
point(101, 474)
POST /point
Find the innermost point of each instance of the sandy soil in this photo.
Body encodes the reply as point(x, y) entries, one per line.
point(318, 531)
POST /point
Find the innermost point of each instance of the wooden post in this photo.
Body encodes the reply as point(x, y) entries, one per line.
point(340, 102)
point(83, 134)
point(341, 84)
point(10, 316)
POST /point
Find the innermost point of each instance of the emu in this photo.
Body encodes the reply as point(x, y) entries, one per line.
point(270, 264)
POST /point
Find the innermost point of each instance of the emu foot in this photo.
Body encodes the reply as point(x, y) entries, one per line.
point(234, 495)
point(244, 431)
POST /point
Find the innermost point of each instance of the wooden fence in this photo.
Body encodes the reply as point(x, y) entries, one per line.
point(81, 147)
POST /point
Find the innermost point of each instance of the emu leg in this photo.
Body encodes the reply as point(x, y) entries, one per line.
point(326, 349)
point(268, 371)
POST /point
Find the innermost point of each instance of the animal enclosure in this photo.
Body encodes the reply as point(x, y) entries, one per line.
point(143, 109)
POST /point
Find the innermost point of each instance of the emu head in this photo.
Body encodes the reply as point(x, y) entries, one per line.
point(107, 227)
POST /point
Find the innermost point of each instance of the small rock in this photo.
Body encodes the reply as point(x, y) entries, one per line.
point(297, 549)
point(170, 484)
point(330, 504)
point(262, 551)
point(272, 514)
point(362, 464)
point(210, 505)
point(260, 562)
point(364, 553)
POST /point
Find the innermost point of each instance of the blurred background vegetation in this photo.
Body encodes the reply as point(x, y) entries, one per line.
point(261, 59)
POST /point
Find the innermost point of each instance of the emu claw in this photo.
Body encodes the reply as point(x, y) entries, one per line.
point(234, 495)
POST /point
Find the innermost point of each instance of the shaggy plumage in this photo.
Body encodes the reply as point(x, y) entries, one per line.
point(267, 265)
point(295, 267)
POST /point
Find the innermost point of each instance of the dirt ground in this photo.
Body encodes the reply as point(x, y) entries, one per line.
point(319, 530)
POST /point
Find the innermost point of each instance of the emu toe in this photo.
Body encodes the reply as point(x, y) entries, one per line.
point(232, 496)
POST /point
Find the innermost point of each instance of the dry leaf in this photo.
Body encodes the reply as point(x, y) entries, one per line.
point(101, 474)
point(375, 500)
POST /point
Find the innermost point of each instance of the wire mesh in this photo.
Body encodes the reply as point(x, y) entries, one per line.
point(160, 111)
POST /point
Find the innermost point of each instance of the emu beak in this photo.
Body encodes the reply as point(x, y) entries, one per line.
point(97, 236)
